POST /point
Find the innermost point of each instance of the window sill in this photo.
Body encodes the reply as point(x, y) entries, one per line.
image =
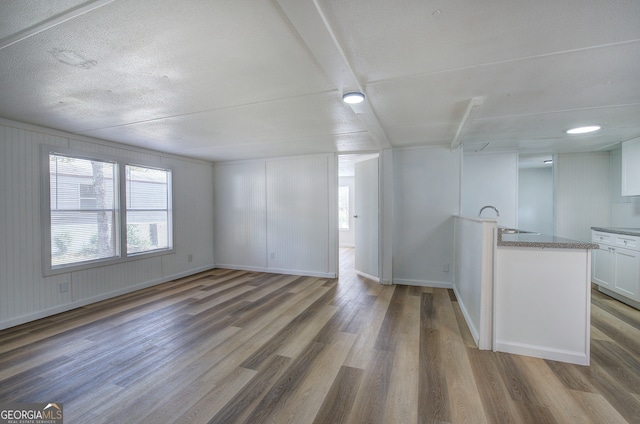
point(66, 269)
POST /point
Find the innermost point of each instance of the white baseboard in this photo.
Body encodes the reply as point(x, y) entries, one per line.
point(368, 276)
point(578, 358)
point(620, 297)
point(423, 283)
point(278, 271)
point(472, 328)
point(83, 302)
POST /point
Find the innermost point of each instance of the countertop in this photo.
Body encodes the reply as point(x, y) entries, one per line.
point(541, 241)
point(624, 231)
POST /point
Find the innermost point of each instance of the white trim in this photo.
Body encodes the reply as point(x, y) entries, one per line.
point(77, 304)
point(579, 358)
point(120, 209)
point(273, 159)
point(52, 22)
point(475, 218)
point(467, 317)
point(278, 271)
point(619, 297)
point(368, 276)
point(100, 142)
point(424, 283)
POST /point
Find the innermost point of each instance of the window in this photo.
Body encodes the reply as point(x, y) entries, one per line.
point(87, 196)
point(85, 222)
point(80, 231)
point(343, 207)
point(148, 209)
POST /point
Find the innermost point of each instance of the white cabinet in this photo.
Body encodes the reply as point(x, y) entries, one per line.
point(627, 280)
point(616, 264)
point(603, 263)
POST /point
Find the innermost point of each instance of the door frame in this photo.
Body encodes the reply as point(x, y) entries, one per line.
point(385, 212)
point(367, 229)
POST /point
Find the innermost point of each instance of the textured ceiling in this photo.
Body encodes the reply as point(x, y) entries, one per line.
point(223, 80)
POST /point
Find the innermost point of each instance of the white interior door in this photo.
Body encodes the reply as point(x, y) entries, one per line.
point(366, 217)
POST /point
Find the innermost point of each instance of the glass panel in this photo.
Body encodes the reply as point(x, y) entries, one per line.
point(148, 217)
point(146, 188)
point(81, 236)
point(147, 231)
point(70, 179)
point(83, 213)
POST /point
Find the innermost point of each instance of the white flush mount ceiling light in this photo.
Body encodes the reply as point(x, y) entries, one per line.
point(584, 130)
point(353, 97)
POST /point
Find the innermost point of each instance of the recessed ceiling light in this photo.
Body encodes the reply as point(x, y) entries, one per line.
point(584, 130)
point(353, 97)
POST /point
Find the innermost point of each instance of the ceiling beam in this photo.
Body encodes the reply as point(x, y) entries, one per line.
point(469, 115)
point(53, 21)
point(310, 21)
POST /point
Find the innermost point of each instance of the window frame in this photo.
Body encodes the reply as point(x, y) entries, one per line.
point(169, 209)
point(120, 215)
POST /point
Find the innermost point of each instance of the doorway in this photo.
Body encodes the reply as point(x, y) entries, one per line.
point(358, 215)
point(536, 193)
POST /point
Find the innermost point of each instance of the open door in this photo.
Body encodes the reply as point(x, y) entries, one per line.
point(366, 218)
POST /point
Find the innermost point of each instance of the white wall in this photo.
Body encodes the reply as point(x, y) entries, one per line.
point(491, 179)
point(625, 210)
point(24, 293)
point(535, 200)
point(277, 215)
point(473, 275)
point(583, 194)
point(347, 237)
point(240, 221)
point(426, 196)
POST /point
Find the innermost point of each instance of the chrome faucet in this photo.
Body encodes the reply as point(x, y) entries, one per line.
point(490, 207)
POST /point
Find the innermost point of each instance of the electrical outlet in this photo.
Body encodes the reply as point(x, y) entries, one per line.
point(64, 287)
point(272, 255)
point(445, 268)
point(189, 258)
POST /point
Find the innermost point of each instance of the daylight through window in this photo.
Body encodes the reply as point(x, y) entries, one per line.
point(83, 210)
point(86, 222)
point(148, 224)
point(343, 207)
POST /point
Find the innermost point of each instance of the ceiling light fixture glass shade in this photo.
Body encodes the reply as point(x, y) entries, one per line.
point(353, 97)
point(584, 130)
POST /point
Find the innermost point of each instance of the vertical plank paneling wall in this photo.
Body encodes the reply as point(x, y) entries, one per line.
point(240, 222)
point(25, 294)
point(426, 196)
point(625, 210)
point(277, 215)
point(583, 196)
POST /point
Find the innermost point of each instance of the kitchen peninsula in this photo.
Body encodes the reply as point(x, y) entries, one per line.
point(542, 296)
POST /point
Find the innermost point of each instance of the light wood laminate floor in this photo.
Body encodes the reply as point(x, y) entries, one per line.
point(233, 346)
